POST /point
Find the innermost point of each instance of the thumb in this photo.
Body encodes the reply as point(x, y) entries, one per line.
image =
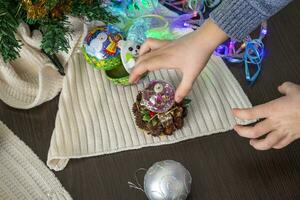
point(184, 87)
point(287, 87)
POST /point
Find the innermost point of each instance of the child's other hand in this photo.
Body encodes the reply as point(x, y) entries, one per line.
point(281, 123)
point(188, 54)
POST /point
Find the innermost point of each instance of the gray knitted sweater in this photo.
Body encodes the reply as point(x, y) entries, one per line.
point(240, 17)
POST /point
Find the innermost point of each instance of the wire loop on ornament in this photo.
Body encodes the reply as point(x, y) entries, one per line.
point(137, 186)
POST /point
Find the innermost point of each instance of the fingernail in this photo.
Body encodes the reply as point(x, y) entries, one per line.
point(235, 111)
point(178, 99)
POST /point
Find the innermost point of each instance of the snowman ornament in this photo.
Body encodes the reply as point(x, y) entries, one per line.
point(129, 53)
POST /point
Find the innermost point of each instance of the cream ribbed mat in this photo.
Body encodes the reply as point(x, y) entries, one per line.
point(22, 174)
point(95, 118)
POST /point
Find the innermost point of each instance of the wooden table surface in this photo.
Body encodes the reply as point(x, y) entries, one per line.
point(223, 166)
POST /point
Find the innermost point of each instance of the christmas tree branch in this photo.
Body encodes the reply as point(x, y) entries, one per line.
point(92, 10)
point(48, 16)
point(56, 34)
point(9, 45)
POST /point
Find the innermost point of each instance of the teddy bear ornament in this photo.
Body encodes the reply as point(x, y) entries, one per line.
point(129, 53)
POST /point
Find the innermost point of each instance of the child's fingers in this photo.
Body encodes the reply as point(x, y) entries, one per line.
point(136, 74)
point(140, 67)
point(146, 65)
point(267, 143)
point(184, 87)
point(284, 142)
point(257, 112)
point(147, 56)
point(255, 131)
point(288, 87)
point(152, 44)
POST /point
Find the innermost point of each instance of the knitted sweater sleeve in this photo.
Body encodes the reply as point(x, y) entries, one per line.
point(237, 18)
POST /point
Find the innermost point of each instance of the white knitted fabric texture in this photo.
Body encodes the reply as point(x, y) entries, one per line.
point(95, 118)
point(22, 174)
point(32, 79)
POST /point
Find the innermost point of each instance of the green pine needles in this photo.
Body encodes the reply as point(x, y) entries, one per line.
point(9, 45)
point(55, 35)
point(48, 16)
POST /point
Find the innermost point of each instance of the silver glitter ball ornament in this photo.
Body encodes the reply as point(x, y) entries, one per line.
point(167, 180)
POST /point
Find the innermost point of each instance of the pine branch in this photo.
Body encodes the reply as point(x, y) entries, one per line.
point(9, 45)
point(92, 10)
point(50, 4)
point(53, 24)
point(55, 35)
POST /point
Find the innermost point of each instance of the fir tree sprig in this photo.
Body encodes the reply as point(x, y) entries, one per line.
point(55, 35)
point(50, 4)
point(92, 10)
point(9, 45)
point(52, 22)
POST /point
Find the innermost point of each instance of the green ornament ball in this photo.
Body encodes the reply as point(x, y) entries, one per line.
point(100, 47)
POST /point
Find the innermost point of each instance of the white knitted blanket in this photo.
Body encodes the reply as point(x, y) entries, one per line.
point(32, 79)
point(95, 118)
point(22, 174)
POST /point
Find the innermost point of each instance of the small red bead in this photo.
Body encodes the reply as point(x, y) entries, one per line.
point(151, 114)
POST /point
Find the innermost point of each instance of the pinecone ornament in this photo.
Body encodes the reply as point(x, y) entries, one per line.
point(163, 119)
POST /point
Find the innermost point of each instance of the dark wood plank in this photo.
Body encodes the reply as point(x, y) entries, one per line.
point(223, 166)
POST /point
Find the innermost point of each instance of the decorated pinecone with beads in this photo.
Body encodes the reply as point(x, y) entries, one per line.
point(155, 109)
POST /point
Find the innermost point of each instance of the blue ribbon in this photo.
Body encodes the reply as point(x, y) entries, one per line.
point(253, 55)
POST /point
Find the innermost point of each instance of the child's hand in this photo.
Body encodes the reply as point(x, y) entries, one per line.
point(281, 123)
point(188, 54)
